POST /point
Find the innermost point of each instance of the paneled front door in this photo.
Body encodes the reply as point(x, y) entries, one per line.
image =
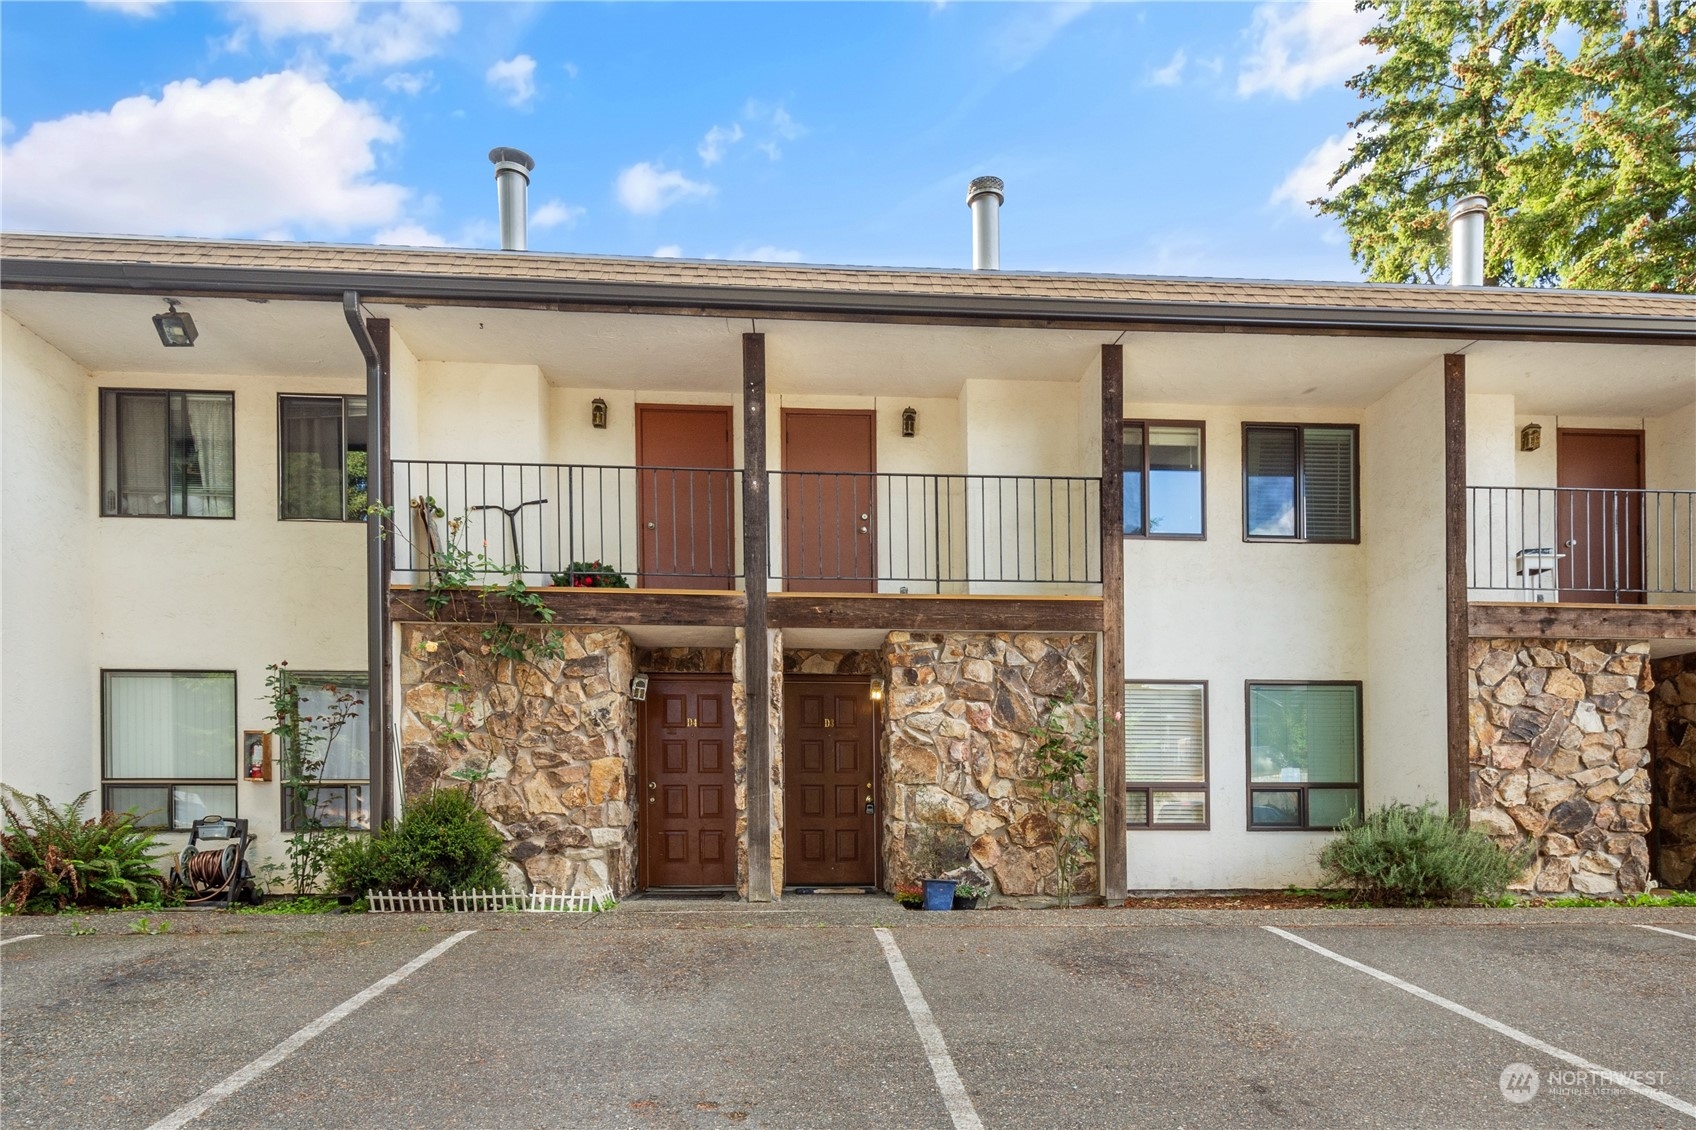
point(688, 794)
point(829, 500)
point(1600, 520)
point(685, 495)
point(830, 781)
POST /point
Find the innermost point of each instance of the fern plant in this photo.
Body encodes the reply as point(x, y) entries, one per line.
point(54, 857)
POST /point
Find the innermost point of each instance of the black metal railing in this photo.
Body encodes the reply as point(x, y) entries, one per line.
point(842, 531)
point(1581, 544)
point(654, 527)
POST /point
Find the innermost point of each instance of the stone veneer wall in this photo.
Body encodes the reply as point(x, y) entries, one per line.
point(1559, 755)
point(1673, 739)
point(959, 708)
point(739, 760)
point(813, 661)
point(685, 660)
point(558, 735)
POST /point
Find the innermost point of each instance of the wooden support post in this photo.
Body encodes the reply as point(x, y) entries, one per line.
point(1110, 709)
point(379, 480)
point(756, 514)
point(1454, 548)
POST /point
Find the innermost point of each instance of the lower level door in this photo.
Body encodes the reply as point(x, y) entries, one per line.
point(688, 793)
point(830, 781)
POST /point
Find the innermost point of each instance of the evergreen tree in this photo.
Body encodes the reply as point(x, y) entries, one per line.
point(1577, 118)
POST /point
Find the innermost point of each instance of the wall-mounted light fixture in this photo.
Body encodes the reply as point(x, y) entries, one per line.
point(639, 688)
point(1531, 437)
point(598, 412)
point(175, 327)
point(909, 423)
point(877, 689)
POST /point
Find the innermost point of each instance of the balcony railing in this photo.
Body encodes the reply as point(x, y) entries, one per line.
point(1580, 544)
point(657, 527)
point(680, 527)
point(848, 531)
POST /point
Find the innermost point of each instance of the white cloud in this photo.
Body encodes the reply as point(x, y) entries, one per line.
point(569, 68)
point(142, 8)
point(766, 253)
point(648, 189)
point(1300, 48)
point(405, 82)
point(1172, 73)
point(1024, 36)
point(718, 139)
point(6, 127)
point(221, 158)
point(1312, 177)
point(514, 79)
point(409, 235)
point(556, 213)
point(368, 35)
point(776, 123)
point(669, 251)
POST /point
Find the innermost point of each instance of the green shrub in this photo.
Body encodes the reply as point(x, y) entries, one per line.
point(55, 858)
point(1405, 856)
point(444, 842)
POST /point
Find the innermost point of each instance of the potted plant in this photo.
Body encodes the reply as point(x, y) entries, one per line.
point(590, 575)
point(910, 896)
point(967, 894)
point(945, 850)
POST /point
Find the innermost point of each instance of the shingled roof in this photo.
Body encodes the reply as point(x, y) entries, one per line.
point(398, 271)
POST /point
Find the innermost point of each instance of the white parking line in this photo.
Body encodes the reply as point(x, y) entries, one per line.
point(240, 1078)
point(1614, 1077)
point(954, 1096)
point(1664, 930)
point(19, 938)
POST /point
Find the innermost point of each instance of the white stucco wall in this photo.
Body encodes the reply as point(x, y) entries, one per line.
point(1228, 611)
point(49, 712)
point(1494, 529)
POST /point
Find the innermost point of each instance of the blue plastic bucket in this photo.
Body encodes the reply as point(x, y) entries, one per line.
point(939, 894)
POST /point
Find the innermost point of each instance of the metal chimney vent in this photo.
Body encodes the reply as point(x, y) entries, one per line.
point(512, 191)
point(1466, 241)
point(984, 196)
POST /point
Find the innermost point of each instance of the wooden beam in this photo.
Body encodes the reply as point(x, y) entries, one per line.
point(1454, 558)
point(937, 613)
point(683, 608)
point(1111, 694)
point(1582, 621)
point(756, 511)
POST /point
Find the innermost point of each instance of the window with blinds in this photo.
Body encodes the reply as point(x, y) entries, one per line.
point(1300, 482)
point(1304, 754)
point(169, 745)
point(1166, 755)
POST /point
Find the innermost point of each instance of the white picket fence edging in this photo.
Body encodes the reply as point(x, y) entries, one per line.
point(437, 902)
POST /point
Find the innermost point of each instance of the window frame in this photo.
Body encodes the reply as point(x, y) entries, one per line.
point(1300, 537)
point(1145, 424)
point(1251, 786)
point(169, 784)
point(100, 442)
point(1206, 786)
point(286, 816)
point(282, 452)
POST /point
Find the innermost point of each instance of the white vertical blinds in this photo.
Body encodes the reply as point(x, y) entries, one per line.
point(170, 725)
point(1165, 732)
point(1328, 483)
point(348, 757)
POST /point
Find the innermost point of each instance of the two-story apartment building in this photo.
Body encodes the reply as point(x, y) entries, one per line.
point(1294, 548)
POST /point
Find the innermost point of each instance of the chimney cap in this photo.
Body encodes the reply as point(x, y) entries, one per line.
point(506, 155)
point(981, 186)
point(1467, 205)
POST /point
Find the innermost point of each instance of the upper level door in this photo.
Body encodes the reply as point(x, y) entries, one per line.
point(1600, 520)
point(687, 496)
point(829, 510)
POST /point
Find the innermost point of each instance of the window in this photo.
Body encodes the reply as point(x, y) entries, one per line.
point(1299, 482)
point(167, 454)
point(1163, 480)
point(1304, 754)
point(321, 457)
point(169, 745)
point(1166, 755)
point(341, 798)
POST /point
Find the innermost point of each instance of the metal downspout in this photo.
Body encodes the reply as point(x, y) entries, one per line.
point(377, 696)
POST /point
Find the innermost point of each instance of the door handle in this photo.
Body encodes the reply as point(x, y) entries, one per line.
point(863, 530)
point(650, 525)
point(651, 786)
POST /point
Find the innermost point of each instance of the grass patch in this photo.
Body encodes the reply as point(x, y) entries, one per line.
point(1664, 898)
point(302, 904)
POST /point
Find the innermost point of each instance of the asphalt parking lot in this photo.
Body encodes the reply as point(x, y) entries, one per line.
point(1023, 1020)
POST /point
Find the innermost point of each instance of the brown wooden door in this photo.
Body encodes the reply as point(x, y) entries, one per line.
point(830, 512)
point(686, 495)
point(830, 781)
point(1601, 525)
point(687, 788)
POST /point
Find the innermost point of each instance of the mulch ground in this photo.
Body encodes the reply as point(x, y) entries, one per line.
point(1259, 900)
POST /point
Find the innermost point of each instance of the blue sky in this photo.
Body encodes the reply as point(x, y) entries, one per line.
point(1148, 138)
